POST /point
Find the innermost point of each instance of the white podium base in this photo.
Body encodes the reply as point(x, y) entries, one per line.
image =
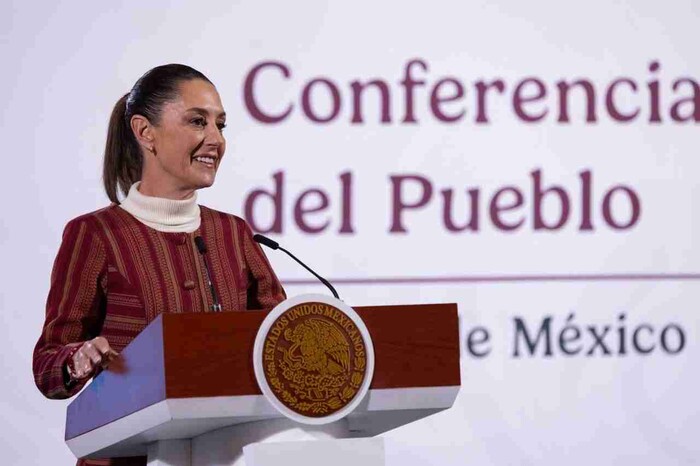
point(224, 447)
point(347, 452)
point(271, 443)
point(170, 453)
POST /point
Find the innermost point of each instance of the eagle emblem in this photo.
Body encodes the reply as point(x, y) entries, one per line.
point(317, 346)
point(315, 359)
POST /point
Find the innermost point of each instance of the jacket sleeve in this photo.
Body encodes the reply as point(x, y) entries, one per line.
point(73, 307)
point(264, 290)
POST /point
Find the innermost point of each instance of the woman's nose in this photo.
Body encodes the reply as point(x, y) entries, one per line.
point(215, 136)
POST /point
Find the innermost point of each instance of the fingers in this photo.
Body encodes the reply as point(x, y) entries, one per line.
point(107, 354)
point(82, 364)
point(91, 351)
point(101, 344)
point(92, 354)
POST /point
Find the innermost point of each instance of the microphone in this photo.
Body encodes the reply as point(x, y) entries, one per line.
point(202, 248)
point(275, 245)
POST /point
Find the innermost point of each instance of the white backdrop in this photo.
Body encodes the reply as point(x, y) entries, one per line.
point(66, 64)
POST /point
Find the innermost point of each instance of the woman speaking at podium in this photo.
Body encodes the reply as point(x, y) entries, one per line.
point(157, 251)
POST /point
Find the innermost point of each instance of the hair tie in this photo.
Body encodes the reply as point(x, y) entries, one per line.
point(129, 101)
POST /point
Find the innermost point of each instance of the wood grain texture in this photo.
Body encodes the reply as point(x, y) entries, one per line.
point(414, 346)
point(211, 354)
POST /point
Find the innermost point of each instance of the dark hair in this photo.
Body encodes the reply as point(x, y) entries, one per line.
point(122, 159)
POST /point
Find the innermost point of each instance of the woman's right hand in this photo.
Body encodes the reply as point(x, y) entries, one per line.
point(91, 355)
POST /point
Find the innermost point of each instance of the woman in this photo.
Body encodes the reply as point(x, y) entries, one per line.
point(121, 266)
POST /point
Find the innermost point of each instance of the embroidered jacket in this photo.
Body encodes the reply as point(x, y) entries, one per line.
point(113, 275)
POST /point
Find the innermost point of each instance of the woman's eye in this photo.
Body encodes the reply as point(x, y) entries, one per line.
point(221, 126)
point(199, 122)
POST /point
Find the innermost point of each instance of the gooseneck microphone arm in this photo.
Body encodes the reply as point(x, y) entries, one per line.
point(275, 245)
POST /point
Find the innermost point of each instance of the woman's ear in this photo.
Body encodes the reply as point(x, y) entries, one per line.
point(144, 132)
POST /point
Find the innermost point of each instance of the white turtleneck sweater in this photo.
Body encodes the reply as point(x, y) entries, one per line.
point(162, 214)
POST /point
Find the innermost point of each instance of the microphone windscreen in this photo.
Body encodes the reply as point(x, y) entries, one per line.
point(266, 241)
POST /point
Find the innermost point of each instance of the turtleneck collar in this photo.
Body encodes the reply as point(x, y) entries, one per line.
point(162, 214)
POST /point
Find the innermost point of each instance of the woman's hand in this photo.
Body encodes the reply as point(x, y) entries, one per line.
point(91, 355)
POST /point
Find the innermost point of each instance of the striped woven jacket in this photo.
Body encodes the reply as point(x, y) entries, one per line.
point(113, 275)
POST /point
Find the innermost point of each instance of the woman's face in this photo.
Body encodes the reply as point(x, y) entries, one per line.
point(188, 143)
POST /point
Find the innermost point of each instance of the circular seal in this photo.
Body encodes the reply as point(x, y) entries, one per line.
point(313, 358)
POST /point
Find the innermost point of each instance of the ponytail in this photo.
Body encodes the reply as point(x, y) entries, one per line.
point(122, 158)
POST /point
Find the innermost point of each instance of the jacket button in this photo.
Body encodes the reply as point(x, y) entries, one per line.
point(188, 284)
point(181, 239)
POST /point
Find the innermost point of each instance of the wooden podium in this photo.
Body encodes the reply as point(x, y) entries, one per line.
point(188, 376)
